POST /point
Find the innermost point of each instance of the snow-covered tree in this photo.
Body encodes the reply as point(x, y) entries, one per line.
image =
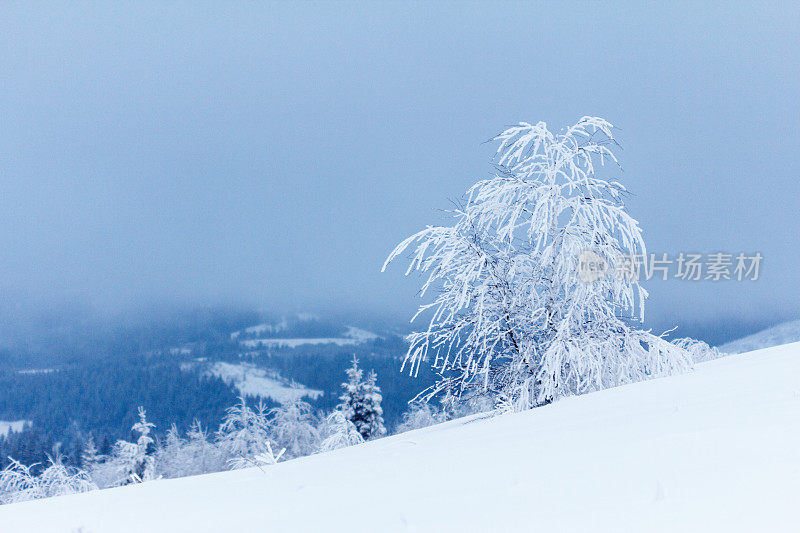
point(339, 432)
point(89, 456)
point(292, 428)
point(512, 316)
point(143, 458)
point(361, 402)
point(170, 456)
point(244, 434)
point(129, 462)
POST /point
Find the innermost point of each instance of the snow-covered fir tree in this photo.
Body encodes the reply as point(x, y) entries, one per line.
point(373, 419)
point(129, 462)
point(136, 459)
point(512, 317)
point(170, 455)
point(361, 402)
point(292, 428)
point(89, 457)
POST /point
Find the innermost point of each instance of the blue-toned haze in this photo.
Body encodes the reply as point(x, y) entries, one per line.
point(273, 154)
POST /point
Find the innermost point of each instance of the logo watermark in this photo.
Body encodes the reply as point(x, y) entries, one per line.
point(591, 266)
point(717, 266)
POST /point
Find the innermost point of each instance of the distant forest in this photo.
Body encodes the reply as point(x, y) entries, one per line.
point(96, 390)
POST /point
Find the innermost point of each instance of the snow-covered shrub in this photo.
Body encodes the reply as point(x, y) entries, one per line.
point(292, 428)
point(268, 458)
point(18, 483)
point(190, 456)
point(512, 315)
point(244, 434)
point(203, 455)
point(423, 414)
point(339, 432)
point(361, 402)
point(58, 479)
point(420, 415)
point(457, 406)
point(105, 473)
point(699, 350)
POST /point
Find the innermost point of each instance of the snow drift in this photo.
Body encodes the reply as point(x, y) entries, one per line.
point(713, 450)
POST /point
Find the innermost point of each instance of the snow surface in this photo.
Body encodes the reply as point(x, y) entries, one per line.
point(715, 450)
point(255, 381)
point(7, 426)
point(774, 336)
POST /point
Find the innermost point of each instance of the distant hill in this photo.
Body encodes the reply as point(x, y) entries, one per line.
point(781, 334)
point(190, 366)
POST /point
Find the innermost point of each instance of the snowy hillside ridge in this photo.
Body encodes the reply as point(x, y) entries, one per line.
point(294, 343)
point(253, 381)
point(294, 332)
point(359, 334)
point(7, 426)
point(714, 449)
point(261, 328)
point(353, 335)
point(33, 371)
point(785, 333)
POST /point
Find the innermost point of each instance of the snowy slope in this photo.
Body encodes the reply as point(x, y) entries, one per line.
point(714, 450)
point(774, 336)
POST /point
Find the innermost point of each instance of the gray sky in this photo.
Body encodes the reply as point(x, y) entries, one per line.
point(275, 153)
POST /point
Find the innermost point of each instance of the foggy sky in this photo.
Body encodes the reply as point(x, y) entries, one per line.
point(273, 154)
